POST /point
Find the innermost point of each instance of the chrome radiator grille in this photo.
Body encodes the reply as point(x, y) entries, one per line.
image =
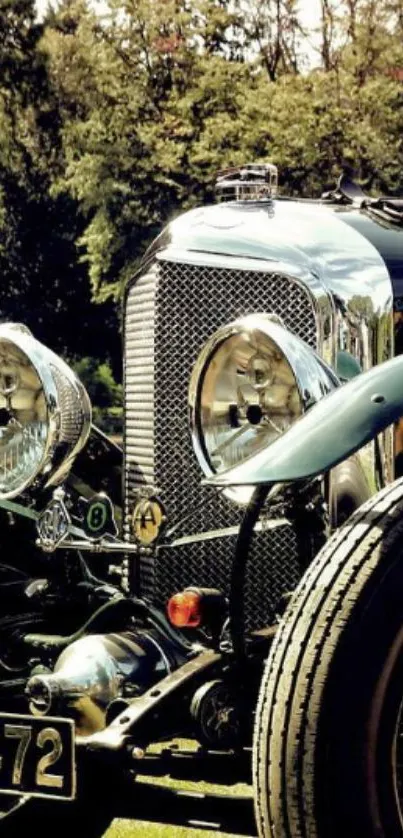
point(171, 311)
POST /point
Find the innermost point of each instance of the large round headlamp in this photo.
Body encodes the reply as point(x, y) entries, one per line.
point(253, 379)
point(45, 413)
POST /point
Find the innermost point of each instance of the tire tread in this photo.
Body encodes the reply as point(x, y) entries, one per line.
point(297, 666)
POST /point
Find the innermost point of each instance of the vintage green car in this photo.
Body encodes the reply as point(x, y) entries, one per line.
point(143, 591)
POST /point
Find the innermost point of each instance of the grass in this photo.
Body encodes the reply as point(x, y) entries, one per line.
point(195, 802)
point(135, 829)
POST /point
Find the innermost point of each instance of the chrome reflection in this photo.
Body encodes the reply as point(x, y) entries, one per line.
point(251, 382)
point(94, 671)
point(23, 418)
point(45, 413)
point(249, 397)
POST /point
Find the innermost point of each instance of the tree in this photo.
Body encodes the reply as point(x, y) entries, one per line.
point(151, 76)
point(155, 97)
point(272, 31)
point(42, 280)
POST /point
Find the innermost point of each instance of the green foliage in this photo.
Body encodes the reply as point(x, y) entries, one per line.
point(157, 97)
point(105, 394)
point(98, 379)
point(43, 283)
point(113, 122)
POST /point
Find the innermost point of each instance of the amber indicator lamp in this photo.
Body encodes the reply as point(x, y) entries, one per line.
point(195, 607)
point(185, 609)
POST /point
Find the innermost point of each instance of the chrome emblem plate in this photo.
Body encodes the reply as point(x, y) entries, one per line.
point(53, 524)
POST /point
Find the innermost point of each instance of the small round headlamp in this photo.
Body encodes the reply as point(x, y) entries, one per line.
point(253, 379)
point(45, 413)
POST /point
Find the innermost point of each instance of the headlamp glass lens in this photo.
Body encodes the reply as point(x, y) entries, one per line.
point(248, 397)
point(23, 418)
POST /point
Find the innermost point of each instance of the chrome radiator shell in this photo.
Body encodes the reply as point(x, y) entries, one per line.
point(329, 286)
point(169, 316)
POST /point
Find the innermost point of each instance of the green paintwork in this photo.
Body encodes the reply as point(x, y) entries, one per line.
point(347, 366)
point(331, 431)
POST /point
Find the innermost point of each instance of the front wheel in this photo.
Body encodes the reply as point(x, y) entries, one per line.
point(328, 753)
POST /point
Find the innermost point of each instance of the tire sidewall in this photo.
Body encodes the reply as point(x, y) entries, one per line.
point(332, 689)
point(355, 785)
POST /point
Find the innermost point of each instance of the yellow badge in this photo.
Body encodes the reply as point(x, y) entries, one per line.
point(148, 519)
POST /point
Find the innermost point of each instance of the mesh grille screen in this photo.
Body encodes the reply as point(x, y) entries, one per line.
point(171, 312)
point(272, 569)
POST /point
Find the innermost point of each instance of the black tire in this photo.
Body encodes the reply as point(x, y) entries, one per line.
point(328, 724)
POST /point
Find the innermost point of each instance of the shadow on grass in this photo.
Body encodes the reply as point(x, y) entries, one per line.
point(155, 803)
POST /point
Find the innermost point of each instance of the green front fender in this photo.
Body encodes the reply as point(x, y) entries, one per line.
point(332, 430)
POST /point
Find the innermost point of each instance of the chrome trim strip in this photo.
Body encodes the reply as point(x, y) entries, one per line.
point(261, 526)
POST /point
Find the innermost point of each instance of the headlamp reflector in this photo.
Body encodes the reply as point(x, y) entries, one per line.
point(45, 412)
point(253, 379)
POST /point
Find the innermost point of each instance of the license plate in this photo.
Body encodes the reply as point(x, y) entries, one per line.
point(37, 756)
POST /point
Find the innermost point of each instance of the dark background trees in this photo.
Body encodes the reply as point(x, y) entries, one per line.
point(112, 122)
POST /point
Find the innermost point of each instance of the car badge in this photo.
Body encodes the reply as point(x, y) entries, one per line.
point(53, 524)
point(148, 520)
point(98, 517)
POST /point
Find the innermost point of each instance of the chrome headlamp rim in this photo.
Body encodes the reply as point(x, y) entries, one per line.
point(54, 462)
point(313, 378)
